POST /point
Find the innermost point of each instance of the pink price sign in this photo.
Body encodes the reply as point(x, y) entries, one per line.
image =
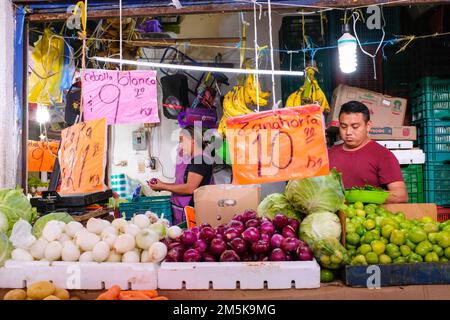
point(120, 96)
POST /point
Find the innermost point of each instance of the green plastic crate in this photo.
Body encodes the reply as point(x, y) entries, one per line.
point(437, 183)
point(433, 136)
point(157, 204)
point(413, 176)
point(430, 99)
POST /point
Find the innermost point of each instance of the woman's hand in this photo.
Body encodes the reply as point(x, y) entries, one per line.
point(157, 186)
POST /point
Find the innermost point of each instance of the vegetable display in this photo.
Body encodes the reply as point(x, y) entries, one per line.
point(56, 237)
point(317, 194)
point(376, 236)
point(246, 237)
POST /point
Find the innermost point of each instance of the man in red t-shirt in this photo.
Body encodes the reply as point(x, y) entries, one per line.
point(363, 161)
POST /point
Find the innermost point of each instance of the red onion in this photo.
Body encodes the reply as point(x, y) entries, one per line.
point(230, 234)
point(252, 223)
point(192, 255)
point(260, 246)
point(207, 234)
point(290, 244)
point(267, 227)
point(276, 240)
point(249, 214)
point(195, 230)
point(280, 221)
point(251, 234)
point(304, 253)
point(265, 237)
point(277, 255)
point(263, 257)
point(208, 257)
point(200, 245)
point(188, 238)
point(221, 229)
point(238, 245)
point(294, 223)
point(229, 256)
point(204, 225)
point(175, 255)
point(237, 217)
point(173, 245)
point(218, 246)
point(238, 225)
point(289, 232)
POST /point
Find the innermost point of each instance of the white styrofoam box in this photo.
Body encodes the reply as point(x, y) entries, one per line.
point(250, 275)
point(413, 156)
point(396, 144)
point(80, 275)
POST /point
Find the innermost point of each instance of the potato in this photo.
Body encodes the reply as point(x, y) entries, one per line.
point(41, 289)
point(75, 298)
point(51, 297)
point(16, 294)
point(63, 294)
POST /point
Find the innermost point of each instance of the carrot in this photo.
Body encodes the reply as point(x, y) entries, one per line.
point(149, 293)
point(133, 295)
point(160, 298)
point(111, 294)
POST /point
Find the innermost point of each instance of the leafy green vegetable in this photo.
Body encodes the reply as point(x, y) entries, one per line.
point(276, 203)
point(15, 205)
point(6, 248)
point(320, 225)
point(34, 182)
point(42, 221)
point(367, 187)
point(3, 222)
point(317, 194)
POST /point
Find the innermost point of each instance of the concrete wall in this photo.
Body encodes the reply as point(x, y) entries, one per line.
point(9, 132)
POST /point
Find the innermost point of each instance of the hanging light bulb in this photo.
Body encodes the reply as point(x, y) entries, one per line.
point(42, 114)
point(347, 51)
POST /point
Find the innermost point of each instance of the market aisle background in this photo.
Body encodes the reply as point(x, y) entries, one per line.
point(9, 123)
point(165, 136)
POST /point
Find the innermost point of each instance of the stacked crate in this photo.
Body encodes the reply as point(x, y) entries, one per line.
point(430, 103)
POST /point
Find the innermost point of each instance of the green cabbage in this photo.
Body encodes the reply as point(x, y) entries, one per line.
point(317, 194)
point(42, 221)
point(5, 248)
point(318, 226)
point(15, 205)
point(3, 222)
point(276, 203)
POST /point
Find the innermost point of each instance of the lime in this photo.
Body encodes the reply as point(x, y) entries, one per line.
point(370, 210)
point(368, 238)
point(431, 257)
point(378, 247)
point(350, 227)
point(423, 248)
point(405, 250)
point(406, 225)
point(385, 259)
point(360, 213)
point(399, 260)
point(364, 249)
point(350, 246)
point(386, 230)
point(400, 215)
point(352, 238)
point(414, 257)
point(337, 257)
point(393, 250)
point(351, 252)
point(444, 239)
point(351, 212)
point(417, 235)
point(360, 230)
point(359, 205)
point(359, 260)
point(389, 221)
point(431, 227)
point(426, 219)
point(384, 240)
point(371, 258)
point(398, 237)
point(325, 259)
point(371, 216)
point(443, 225)
point(447, 252)
point(380, 211)
point(376, 232)
point(410, 244)
point(326, 275)
point(439, 251)
point(443, 259)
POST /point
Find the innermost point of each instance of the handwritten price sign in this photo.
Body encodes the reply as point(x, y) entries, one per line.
point(83, 157)
point(42, 155)
point(120, 96)
point(279, 145)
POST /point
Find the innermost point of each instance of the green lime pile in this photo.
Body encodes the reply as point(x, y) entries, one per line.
point(376, 236)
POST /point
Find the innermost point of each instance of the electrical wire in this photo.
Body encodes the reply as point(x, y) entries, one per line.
point(275, 105)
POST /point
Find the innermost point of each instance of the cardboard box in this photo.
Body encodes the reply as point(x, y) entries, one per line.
point(413, 156)
point(393, 133)
point(384, 110)
point(217, 204)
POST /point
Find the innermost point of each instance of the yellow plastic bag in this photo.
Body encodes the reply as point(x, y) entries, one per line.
point(46, 69)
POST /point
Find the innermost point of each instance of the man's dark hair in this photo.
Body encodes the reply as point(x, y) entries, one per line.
point(355, 107)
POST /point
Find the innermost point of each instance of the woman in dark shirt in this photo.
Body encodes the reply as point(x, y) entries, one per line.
point(198, 172)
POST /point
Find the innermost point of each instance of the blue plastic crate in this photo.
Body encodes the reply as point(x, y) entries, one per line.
point(434, 138)
point(157, 204)
point(437, 182)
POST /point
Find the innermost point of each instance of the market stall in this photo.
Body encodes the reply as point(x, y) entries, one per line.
point(116, 102)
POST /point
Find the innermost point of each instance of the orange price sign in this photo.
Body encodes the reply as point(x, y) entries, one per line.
point(278, 145)
point(83, 157)
point(42, 155)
